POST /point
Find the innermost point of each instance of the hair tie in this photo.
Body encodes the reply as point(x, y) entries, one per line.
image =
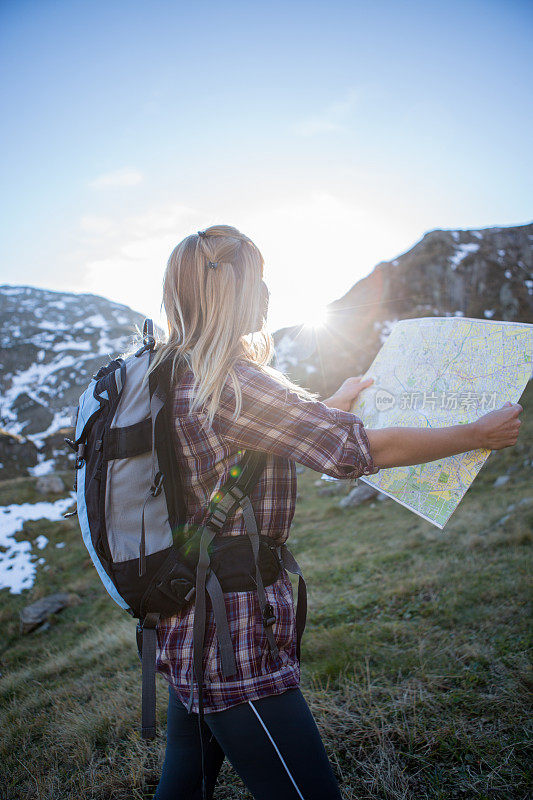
point(212, 264)
point(203, 234)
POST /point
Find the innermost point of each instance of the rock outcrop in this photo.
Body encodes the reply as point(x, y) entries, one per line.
point(486, 274)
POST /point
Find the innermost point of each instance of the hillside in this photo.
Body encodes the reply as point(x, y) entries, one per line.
point(415, 657)
point(52, 343)
point(486, 273)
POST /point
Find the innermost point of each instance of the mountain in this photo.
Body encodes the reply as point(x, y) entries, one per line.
point(485, 273)
point(53, 342)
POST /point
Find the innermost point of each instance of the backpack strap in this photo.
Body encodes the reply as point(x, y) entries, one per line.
point(149, 643)
point(291, 565)
point(232, 493)
point(160, 444)
point(160, 383)
point(245, 476)
point(227, 654)
point(156, 405)
point(267, 611)
point(157, 430)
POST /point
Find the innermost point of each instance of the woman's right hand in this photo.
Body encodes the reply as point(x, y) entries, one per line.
point(499, 428)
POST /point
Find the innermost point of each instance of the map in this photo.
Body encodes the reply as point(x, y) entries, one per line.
point(439, 371)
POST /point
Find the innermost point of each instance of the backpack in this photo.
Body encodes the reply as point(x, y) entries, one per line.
point(131, 513)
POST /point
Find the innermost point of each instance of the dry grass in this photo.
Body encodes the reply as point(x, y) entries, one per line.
point(415, 659)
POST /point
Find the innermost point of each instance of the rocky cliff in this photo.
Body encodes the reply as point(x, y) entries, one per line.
point(487, 274)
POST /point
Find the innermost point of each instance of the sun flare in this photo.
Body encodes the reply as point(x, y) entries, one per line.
point(315, 317)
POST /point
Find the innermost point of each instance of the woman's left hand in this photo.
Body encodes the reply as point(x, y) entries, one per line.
point(347, 392)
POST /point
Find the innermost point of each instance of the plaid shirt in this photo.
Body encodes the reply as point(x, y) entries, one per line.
point(276, 421)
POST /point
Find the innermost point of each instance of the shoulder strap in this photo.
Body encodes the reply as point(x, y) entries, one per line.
point(148, 656)
point(242, 480)
point(291, 565)
point(160, 387)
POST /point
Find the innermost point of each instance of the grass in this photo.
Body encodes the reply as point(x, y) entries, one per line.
point(414, 660)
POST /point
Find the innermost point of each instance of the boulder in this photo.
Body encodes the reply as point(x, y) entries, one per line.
point(501, 481)
point(50, 484)
point(16, 455)
point(33, 615)
point(359, 494)
point(54, 447)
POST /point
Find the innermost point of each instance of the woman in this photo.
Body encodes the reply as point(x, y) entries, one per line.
point(226, 400)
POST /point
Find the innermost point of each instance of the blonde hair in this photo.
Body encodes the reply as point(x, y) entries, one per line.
point(217, 315)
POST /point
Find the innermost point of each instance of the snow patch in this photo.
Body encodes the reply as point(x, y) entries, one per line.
point(12, 290)
point(71, 345)
point(17, 568)
point(43, 468)
point(41, 542)
point(62, 419)
point(34, 376)
point(461, 252)
point(94, 321)
point(489, 312)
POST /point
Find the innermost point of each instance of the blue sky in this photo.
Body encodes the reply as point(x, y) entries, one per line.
point(334, 134)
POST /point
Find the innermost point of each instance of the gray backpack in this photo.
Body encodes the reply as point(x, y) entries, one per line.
point(131, 512)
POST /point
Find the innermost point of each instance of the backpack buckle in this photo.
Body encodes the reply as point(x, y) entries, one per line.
point(148, 344)
point(157, 485)
point(224, 504)
point(268, 615)
point(216, 520)
point(236, 493)
point(182, 589)
point(80, 459)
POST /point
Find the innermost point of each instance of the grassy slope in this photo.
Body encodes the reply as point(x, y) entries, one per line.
point(414, 658)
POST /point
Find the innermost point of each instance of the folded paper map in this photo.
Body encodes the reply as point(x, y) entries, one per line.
point(439, 371)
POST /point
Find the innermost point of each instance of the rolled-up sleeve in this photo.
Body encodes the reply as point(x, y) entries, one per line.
point(276, 420)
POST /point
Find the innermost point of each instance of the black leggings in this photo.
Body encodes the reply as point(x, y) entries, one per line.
point(273, 744)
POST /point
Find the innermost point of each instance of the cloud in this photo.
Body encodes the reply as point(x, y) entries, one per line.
point(316, 244)
point(116, 179)
point(124, 256)
point(332, 118)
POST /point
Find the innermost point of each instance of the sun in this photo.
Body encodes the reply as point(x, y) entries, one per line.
point(315, 316)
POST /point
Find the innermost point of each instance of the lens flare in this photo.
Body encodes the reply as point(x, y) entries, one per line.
point(316, 316)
